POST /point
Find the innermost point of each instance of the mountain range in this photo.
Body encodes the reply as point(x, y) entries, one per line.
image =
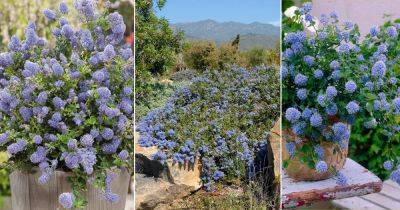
point(251, 35)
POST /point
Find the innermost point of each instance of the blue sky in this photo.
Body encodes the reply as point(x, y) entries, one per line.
point(245, 11)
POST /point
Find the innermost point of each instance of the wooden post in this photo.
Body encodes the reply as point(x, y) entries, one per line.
point(28, 194)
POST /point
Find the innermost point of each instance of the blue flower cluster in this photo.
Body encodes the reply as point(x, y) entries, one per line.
point(220, 119)
point(69, 107)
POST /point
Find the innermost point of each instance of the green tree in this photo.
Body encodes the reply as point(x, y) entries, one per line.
point(156, 50)
point(156, 43)
point(236, 42)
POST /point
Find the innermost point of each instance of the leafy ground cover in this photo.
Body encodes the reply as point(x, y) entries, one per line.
point(221, 117)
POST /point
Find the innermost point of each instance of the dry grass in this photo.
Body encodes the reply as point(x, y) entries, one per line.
point(246, 196)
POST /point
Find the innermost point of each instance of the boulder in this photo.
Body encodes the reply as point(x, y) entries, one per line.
point(181, 174)
point(275, 141)
point(153, 192)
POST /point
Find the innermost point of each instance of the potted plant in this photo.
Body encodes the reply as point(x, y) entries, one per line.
point(327, 85)
point(66, 112)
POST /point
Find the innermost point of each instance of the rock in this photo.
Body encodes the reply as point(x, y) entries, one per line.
point(153, 193)
point(186, 174)
point(275, 141)
point(181, 174)
point(166, 81)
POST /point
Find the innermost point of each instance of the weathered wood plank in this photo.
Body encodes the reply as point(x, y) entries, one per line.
point(20, 191)
point(390, 191)
point(387, 198)
point(382, 200)
point(392, 183)
point(355, 203)
point(360, 182)
point(27, 194)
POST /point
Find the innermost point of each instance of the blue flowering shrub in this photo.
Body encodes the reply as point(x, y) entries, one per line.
point(328, 84)
point(69, 107)
point(221, 118)
point(381, 149)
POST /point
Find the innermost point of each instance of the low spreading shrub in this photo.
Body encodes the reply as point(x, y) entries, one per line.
point(221, 118)
point(184, 75)
point(69, 107)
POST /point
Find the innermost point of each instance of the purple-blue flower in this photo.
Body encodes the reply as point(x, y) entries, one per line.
point(302, 93)
point(42, 98)
point(292, 114)
point(316, 120)
point(350, 86)
point(300, 79)
point(63, 8)
point(391, 31)
point(39, 155)
point(341, 179)
point(50, 14)
point(72, 144)
point(378, 69)
point(331, 109)
point(388, 165)
point(66, 200)
point(107, 133)
point(218, 175)
point(104, 92)
point(290, 148)
point(87, 140)
point(309, 60)
point(374, 31)
point(344, 48)
point(352, 107)
point(123, 155)
point(318, 74)
point(331, 92)
point(4, 137)
point(319, 151)
point(334, 65)
point(17, 147)
point(108, 53)
point(321, 166)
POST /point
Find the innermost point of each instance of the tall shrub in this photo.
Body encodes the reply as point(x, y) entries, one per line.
point(201, 55)
point(69, 106)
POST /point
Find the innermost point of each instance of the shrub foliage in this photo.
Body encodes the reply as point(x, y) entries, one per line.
point(221, 118)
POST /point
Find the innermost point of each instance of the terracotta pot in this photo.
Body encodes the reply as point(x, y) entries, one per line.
point(335, 158)
point(28, 194)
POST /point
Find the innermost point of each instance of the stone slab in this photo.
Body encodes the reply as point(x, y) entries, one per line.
point(275, 141)
point(181, 174)
point(152, 192)
point(360, 182)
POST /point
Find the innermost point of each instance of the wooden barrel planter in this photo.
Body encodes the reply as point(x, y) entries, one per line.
point(28, 194)
point(335, 158)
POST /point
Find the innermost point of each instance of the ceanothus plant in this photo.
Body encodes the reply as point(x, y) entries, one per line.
point(327, 85)
point(382, 43)
point(221, 118)
point(69, 107)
